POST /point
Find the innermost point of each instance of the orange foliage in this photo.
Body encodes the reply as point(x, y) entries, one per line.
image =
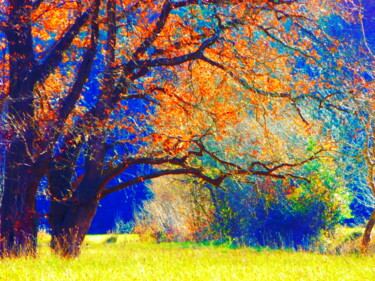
point(53, 18)
point(245, 80)
point(4, 70)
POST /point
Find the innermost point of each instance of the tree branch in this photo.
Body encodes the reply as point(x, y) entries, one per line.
point(37, 4)
point(3, 25)
point(112, 172)
point(191, 171)
point(243, 82)
point(364, 31)
point(106, 95)
point(167, 8)
point(293, 165)
point(54, 56)
point(83, 71)
point(235, 170)
point(172, 61)
point(273, 37)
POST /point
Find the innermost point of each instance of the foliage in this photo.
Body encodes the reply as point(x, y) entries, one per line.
point(179, 211)
point(99, 96)
point(283, 213)
point(122, 227)
point(276, 213)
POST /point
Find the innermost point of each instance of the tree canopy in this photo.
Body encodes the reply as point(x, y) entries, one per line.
point(99, 95)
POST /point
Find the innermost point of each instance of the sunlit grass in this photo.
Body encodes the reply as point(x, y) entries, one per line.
point(129, 259)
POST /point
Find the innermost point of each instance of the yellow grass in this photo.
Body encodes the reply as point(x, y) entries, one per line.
point(129, 259)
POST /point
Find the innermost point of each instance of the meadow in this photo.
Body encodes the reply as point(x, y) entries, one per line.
point(130, 259)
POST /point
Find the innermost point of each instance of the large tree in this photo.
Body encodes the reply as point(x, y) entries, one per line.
point(93, 90)
point(364, 98)
point(27, 150)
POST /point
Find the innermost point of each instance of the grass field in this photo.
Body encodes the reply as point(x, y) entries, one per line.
point(129, 259)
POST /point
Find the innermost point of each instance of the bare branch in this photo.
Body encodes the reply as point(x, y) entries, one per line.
point(167, 8)
point(299, 113)
point(188, 171)
point(111, 173)
point(83, 71)
point(3, 25)
point(364, 32)
point(172, 61)
point(243, 82)
point(273, 37)
point(293, 165)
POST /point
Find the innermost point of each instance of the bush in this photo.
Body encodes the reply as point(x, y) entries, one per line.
point(282, 213)
point(274, 213)
point(179, 211)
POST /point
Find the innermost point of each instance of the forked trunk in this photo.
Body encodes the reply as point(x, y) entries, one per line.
point(72, 209)
point(367, 234)
point(69, 226)
point(71, 213)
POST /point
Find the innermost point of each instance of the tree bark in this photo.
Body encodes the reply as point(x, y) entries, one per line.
point(69, 226)
point(73, 208)
point(370, 179)
point(25, 162)
point(18, 217)
point(367, 234)
point(71, 217)
point(18, 229)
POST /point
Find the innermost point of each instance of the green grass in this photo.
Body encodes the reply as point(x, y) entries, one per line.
point(129, 259)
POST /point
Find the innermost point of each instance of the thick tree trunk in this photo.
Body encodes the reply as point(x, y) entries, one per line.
point(70, 223)
point(24, 165)
point(18, 229)
point(60, 177)
point(71, 211)
point(73, 206)
point(19, 226)
point(18, 218)
point(367, 234)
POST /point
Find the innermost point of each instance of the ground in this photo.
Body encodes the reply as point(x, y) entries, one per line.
point(125, 257)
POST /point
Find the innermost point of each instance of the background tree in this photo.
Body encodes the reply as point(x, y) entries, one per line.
point(256, 210)
point(169, 78)
point(350, 123)
point(366, 94)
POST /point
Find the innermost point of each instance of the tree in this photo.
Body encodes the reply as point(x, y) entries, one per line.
point(253, 210)
point(365, 96)
point(27, 150)
point(93, 89)
point(354, 110)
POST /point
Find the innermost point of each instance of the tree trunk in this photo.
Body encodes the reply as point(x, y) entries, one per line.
point(70, 223)
point(18, 217)
point(18, 229)
point(19, 226)
point(71, 211)
point(73, 206)
point(367, 234)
